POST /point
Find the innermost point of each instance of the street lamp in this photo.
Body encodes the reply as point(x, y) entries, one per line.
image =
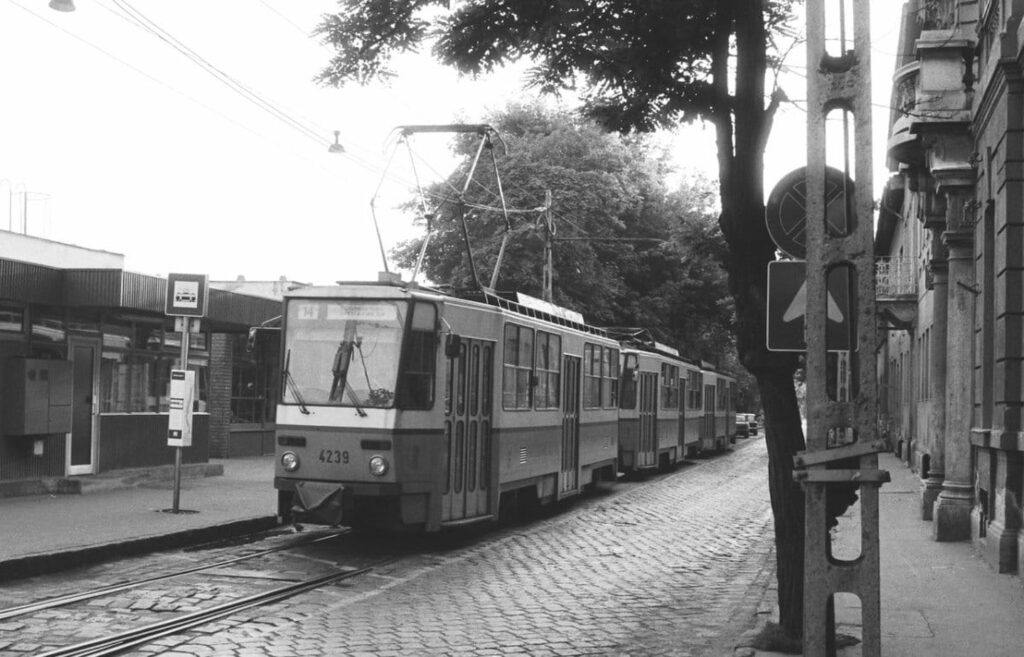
point(336, 147)
point(62, 5)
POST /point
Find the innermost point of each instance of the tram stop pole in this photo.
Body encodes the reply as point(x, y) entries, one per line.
point(842, 448)
point(186, 300)
point(186, 413)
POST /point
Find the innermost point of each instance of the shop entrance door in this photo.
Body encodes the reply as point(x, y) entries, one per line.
point(85, 360)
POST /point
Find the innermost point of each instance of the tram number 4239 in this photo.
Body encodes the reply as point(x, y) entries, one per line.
point(333, 456)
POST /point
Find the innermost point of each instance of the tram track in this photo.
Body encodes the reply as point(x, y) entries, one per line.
point(83, 596)
point(117, 643)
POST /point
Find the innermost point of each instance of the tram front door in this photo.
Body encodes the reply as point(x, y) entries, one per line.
point(467, 432)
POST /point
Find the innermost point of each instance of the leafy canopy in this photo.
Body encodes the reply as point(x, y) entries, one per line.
point(644, 64)
point(627, 251)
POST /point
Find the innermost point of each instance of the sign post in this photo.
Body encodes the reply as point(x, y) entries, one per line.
point(187, 296)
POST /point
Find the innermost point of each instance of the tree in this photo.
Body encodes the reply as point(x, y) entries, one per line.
point(639, 65)
point(627, 251)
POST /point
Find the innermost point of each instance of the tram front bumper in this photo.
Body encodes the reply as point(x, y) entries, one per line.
point(322, 504)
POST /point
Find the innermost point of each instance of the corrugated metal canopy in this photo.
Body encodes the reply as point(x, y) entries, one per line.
point(122, 290)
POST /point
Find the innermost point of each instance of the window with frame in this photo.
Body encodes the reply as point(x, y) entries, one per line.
point(600, 376)
point(416, 380)
point(518, 367)
point(669, 386)
point(135, 368)
point(694, 388)
point(549, 370)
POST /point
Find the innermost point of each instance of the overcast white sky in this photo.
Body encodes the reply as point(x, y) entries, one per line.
point(121, 143)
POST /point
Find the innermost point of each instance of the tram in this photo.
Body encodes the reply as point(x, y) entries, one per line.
point(661, 420)
point(402, 406)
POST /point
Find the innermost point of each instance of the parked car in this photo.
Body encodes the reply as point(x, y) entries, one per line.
point(743, 421)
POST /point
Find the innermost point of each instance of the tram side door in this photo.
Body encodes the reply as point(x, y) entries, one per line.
point(710, 434)
point(467, 432)
point(569, 480)
point(647, 436)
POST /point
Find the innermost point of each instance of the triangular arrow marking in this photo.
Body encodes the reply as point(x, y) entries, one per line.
point(798, 307)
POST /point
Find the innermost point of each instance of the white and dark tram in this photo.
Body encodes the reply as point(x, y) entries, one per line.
point(405, 407)
point(670, 407)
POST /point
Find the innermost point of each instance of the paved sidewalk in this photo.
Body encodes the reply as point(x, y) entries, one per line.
point(938, 599)
point(123, 513)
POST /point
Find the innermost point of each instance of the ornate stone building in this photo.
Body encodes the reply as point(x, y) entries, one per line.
point(953, 346)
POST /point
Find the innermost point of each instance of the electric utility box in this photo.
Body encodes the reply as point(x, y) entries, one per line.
point(37, 396)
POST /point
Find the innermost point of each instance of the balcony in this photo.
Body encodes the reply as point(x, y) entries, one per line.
point(896, 292)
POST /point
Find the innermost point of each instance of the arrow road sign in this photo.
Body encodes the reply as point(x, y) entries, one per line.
point(787, 306)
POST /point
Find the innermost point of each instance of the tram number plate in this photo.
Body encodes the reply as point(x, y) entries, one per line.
point(333, 456)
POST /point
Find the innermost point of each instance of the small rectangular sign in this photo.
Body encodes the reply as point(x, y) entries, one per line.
point(179, 416)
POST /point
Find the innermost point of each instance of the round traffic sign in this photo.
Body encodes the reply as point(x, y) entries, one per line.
point(786, 210)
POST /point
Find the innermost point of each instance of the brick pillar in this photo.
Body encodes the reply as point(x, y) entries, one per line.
point(219, 403)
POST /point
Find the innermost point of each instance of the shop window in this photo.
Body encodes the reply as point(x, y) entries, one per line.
point(48, 329)
point(12, 322)
point(135, 370)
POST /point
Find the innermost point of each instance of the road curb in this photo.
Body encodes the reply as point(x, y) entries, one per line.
point(51, 562)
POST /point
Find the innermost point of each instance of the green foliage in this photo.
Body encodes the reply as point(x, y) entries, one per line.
point(637, 65)
point(627, 252)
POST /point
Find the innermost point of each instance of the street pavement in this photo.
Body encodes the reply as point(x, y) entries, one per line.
point(679, 565)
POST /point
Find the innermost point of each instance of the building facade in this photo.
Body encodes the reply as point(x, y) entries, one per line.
point(86, 352)
point(952, 215)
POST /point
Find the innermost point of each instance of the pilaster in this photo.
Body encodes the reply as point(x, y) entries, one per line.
point(952, 508)
point(933, 476)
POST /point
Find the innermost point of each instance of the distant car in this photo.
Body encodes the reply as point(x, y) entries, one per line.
point(743, 421)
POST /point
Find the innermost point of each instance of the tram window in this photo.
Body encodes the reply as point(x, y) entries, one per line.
point(416, 385)
point(669, 386)
point(694, 387)
point(518, 367)
point(549, 366)
point(485, 385)
point(628, 382)
point(600, 377)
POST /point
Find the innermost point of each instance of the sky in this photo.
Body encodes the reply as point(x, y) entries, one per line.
point(112, 139)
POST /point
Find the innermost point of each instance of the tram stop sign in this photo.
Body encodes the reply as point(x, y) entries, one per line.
point(787, 307)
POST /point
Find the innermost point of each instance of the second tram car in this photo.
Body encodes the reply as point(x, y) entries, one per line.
point(405, 407)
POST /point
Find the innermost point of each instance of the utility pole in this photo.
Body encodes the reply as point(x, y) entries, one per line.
point(840, 432)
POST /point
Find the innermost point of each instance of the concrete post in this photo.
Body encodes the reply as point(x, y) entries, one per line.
point(952, 510)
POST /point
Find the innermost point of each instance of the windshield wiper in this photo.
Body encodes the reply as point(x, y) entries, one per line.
point(339, 368)
point(294, 387)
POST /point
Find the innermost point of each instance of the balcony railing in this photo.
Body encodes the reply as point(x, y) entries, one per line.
point(895, 276)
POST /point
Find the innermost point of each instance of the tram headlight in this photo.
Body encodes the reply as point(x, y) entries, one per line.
point(378, 465)
point(290, 461)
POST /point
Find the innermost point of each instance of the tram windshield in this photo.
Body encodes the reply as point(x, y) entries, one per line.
point(342, 352)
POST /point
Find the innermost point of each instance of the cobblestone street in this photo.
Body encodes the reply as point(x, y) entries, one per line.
point(673, 566)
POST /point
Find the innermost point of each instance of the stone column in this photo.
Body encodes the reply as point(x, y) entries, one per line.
point(931, 480)
point(952, 510)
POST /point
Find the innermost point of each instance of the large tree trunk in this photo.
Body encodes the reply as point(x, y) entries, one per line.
point(784, 436)
point(742, 127)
